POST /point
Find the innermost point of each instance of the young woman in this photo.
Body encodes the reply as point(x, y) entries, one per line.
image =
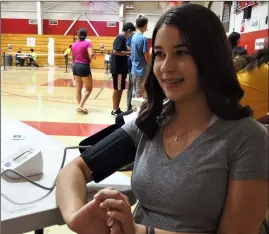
point(252, 73)
point(201, 162)
point(82, 54)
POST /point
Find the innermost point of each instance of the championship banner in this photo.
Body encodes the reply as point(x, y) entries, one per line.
point(244, 4)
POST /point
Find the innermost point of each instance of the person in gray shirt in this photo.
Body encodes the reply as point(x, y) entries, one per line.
point(201, 163)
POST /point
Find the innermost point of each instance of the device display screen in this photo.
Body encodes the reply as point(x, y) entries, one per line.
point(22, 157)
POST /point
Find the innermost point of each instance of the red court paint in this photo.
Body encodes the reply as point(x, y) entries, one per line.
point(66, 129)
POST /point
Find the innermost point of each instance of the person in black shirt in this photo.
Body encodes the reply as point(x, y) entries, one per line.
point(234, 39)
point(119, 65)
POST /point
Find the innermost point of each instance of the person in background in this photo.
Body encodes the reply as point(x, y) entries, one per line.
point(130, 81)
point(68, 51)
point(107, 58)
point(252, 73)
point(82, 54)
point(107, 62)
point(119, 65)
point(139, 55)
point(234, 39)
point(19, 61)
point(33, 59)
point(201, 163)
point(109, 53)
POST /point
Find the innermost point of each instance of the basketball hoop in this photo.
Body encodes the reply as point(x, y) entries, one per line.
point(91, 5)
point(166, 5)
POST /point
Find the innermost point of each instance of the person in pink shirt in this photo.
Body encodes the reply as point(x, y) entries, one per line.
point(82, 54)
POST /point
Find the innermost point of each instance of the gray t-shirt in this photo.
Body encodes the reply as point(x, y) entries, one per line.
point(188, 193)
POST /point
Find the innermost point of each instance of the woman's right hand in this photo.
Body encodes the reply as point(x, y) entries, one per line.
point(90, 219)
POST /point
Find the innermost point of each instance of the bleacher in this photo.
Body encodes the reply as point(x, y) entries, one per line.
point(61, 43)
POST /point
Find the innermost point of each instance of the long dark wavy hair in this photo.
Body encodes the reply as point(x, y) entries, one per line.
point(210, 49)
point(250, 62)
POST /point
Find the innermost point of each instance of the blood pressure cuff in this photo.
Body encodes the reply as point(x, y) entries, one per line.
point(92, 140)
point(110, 154)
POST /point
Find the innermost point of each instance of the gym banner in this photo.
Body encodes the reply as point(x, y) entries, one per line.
point(260, 43)
point(244, 4)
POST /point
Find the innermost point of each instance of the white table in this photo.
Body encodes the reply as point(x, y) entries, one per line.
point(19, 213)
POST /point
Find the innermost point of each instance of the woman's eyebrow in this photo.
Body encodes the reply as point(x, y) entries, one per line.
point(176, 46)
point(180, 45)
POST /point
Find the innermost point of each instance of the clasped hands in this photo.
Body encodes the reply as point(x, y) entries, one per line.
point(108, 213)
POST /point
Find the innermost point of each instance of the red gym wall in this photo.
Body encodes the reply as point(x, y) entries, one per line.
point(100, 27)
point(150, 42)
point(249, 39)
point(11, 26)
point(19, 26)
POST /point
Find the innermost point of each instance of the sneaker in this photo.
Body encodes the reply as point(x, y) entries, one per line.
point(116, 112)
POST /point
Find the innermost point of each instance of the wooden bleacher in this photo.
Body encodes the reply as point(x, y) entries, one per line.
point(61, 43)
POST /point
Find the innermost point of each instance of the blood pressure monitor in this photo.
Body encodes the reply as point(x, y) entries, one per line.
point(27, 161)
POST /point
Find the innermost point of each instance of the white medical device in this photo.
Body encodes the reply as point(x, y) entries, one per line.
point(27, 161)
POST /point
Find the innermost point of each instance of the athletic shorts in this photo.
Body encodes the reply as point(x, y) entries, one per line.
point(119, 81)
point(82, 70)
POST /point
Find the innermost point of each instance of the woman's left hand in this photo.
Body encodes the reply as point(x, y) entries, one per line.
point(118, 210)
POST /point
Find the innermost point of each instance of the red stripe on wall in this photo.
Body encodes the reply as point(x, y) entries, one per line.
point(18, 26)
point(248, 39)
point(103, 30)
point(11, 26)
point(100, 27)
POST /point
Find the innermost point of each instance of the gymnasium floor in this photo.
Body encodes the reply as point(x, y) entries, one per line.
point(44, 98)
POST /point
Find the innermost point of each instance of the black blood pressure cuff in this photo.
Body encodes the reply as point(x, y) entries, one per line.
point(92, 140)
point(110, 154)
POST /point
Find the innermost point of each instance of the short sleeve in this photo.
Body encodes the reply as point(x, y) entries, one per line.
point(250, 160)
point(133, 131)
point(145, 45)
point(119, 43)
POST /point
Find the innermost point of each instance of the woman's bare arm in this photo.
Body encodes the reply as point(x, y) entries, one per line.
point(71, 191)
point(90, 52)
point(245, 208)
point(121, 53)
